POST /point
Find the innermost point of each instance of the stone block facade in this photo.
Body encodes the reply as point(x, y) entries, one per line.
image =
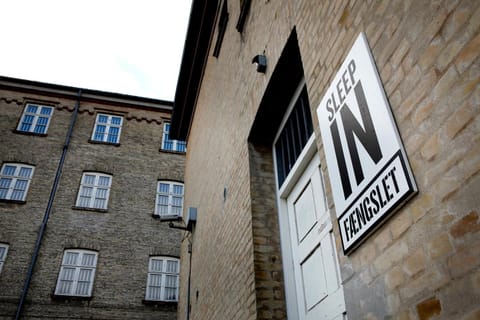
point(125, 235)
point(423, 263)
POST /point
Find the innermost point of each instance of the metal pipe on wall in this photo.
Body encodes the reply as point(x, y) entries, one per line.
point(53, 192)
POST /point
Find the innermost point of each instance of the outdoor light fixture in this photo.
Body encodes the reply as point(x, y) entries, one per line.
point(261, 61)
point(190, 221)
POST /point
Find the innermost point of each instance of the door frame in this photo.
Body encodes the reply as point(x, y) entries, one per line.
point(296, 172)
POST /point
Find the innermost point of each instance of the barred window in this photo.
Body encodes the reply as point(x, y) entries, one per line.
point(15, 180)
point(169, 201)
point(35, 118)
point(294, 136)
point(94, 190)
point(162, 281)
point(107, 128)
point(77, 273)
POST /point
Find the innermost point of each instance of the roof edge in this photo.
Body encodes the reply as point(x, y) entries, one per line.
point(71, 92)
point(194, 60)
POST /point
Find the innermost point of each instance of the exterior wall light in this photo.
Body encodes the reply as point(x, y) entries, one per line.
point(261, 61)
point(189, 222)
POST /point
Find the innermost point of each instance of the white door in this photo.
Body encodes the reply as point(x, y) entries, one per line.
point(316, 274)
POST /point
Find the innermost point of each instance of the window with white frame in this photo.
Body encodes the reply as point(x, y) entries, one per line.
point(3, 254)
point(15, 180)
point(35, 118)
point(94, 190)
point(169, 200)
point(77, 273)
point(162, 282)
point(169, 144)
point(107, 128)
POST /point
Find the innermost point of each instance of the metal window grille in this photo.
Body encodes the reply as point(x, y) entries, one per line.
point(294, 136)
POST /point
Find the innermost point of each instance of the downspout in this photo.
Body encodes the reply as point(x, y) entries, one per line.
point(190, 246)
point(53, 192)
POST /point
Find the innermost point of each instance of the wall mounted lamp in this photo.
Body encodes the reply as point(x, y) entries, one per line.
point(190, 221)
point(261, 61)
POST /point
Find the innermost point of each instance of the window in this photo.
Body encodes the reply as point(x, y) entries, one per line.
point(94, 190)
point(107, 128)
point(169, 200)
point(3, 254)
point(169, 144)
point(222, 27)
point(77, 273)
point(294, 136)
point(14, 181)
point(35, 119)
point(162, 281)
point(244, 8)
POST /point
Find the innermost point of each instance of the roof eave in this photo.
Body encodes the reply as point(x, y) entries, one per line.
point(194, 59)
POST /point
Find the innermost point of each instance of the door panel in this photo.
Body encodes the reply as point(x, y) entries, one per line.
point(314, 279)
point(305, 216)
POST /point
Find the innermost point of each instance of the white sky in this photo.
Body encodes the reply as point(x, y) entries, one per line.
point(126, 46)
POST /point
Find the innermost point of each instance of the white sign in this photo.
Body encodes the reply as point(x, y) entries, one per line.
point(367, 164)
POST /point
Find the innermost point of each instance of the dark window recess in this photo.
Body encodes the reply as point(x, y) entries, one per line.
point(222, 26)
point(244, 8)
point(294, 136)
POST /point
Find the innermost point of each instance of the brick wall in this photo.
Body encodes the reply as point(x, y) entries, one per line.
point(424, 261)
point(124, 236)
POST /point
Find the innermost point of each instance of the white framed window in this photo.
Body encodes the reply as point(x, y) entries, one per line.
point(15, 180)
point(3, 254)
point(77, 273)
point(169, 201)
point(107, 128)
point(35, 118)
point(94, 190)
point(169, 144)
point(162, 281)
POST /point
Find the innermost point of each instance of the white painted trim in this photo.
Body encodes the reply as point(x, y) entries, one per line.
point(285, 237)
point(291, 105)
point(287, 258)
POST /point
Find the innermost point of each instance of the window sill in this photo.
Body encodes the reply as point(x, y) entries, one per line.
point(58, 297)
point(90, 209)
point(160, 303)
point(28, 133)
point(13, 201)
point(171, 151)
point(103, 142)
point(166, 218)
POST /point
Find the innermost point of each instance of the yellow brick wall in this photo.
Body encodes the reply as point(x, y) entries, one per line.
point(425, 260)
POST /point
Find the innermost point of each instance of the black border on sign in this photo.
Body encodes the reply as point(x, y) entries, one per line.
point(397, 205)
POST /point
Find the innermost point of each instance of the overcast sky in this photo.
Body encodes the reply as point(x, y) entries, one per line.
point(127, 46)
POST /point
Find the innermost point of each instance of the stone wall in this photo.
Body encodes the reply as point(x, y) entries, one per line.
point(424, 261)
point(124, 235)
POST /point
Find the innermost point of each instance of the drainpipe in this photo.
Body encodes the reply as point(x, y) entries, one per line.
point(189, 280)
point(43, 226)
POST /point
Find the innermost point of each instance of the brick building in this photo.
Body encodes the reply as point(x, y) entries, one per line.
point(273, 236)
point(95, 177)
